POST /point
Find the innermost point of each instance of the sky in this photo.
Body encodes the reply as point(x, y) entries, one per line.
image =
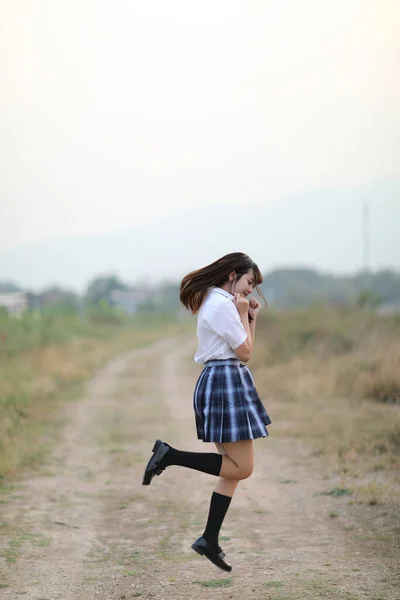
point(148, 138)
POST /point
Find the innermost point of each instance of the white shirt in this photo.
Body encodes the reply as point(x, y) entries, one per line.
point(219, 328)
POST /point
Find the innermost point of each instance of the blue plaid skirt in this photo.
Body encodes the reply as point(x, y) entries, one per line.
point(226, 404)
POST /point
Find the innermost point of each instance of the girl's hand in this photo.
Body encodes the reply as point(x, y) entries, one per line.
point(254, 308)
point(242, 304)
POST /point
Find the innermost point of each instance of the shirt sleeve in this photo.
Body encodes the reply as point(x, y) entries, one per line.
point(225, 321)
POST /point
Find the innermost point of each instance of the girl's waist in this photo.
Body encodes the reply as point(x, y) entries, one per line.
point(223, 362)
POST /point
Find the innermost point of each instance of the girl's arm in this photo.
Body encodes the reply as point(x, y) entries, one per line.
point(246, 308)
point(252, 326)
point(254, 309)
point(243, 352)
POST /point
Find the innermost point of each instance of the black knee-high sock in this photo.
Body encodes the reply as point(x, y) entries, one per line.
point(207, 462)
point(218, 508)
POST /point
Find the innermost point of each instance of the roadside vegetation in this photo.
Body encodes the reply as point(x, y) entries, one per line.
point(333, 376)
point(45, 356)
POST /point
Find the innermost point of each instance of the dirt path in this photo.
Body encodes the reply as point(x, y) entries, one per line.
point(86, 529)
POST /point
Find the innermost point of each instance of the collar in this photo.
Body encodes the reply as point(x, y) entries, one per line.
point(219, 290)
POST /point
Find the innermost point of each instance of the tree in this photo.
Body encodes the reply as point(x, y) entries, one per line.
point(57, 299)
point(368, 299)
point(100, 288)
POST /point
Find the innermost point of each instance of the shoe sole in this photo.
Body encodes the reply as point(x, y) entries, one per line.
point(148, 475)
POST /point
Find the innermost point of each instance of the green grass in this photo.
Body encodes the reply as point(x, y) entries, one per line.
point(13, 548)
point(213, 583)
point(274, 584)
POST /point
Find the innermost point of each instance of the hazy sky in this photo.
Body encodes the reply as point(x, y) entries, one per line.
point(118, 118)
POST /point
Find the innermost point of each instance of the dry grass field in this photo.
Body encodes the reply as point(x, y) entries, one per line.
point(336, 377)
point(38, 376)
point(318, 518)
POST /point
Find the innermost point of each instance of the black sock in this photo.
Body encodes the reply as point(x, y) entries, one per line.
point(210, 463)
point(218, 508)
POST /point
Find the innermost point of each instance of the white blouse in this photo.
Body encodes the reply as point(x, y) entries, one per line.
point(219, 328)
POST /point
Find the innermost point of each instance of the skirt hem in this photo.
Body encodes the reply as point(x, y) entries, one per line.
point(237, 439)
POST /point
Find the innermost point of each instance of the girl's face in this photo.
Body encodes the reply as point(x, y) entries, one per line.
point(244, 285)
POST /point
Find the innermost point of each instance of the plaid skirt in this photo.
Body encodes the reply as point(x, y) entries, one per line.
point(226, 404)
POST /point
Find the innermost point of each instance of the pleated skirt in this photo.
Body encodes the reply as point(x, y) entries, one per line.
point(226, 404)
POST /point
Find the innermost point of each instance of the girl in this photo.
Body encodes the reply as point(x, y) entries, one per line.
point(227, 408)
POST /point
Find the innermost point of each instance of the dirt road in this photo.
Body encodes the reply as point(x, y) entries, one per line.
point(85, 528)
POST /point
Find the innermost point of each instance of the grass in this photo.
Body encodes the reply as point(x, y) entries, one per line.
point(342, 396)
point(13, 547)
point(313, 587)
point(330, 379)
point(38, 377)
point(335, 373)
point(213, 583)
point(274, 584)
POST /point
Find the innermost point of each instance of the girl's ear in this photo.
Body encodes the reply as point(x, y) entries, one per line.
point(232, 276)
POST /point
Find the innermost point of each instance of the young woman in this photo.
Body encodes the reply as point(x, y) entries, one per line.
point(227, 408)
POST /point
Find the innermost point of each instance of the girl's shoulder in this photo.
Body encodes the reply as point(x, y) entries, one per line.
point(214, 298)
point(217, 306)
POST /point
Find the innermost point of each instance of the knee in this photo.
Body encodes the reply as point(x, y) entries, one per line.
point(246, 471)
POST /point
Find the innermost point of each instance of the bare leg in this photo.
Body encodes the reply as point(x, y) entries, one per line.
point(226, 487)
point(238, 460)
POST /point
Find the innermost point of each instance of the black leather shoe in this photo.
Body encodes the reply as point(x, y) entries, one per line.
point(215, 555)
point(153, 467)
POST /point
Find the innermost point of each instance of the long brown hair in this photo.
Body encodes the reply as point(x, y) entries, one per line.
point(195, 284)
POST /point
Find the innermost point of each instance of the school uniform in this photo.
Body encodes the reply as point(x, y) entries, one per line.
point(226, 403)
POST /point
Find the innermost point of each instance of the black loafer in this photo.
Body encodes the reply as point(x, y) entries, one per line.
point(215, 555)
point(153, 467)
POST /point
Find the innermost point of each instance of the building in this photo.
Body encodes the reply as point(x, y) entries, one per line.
point(17, 302)
point(14, 302)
